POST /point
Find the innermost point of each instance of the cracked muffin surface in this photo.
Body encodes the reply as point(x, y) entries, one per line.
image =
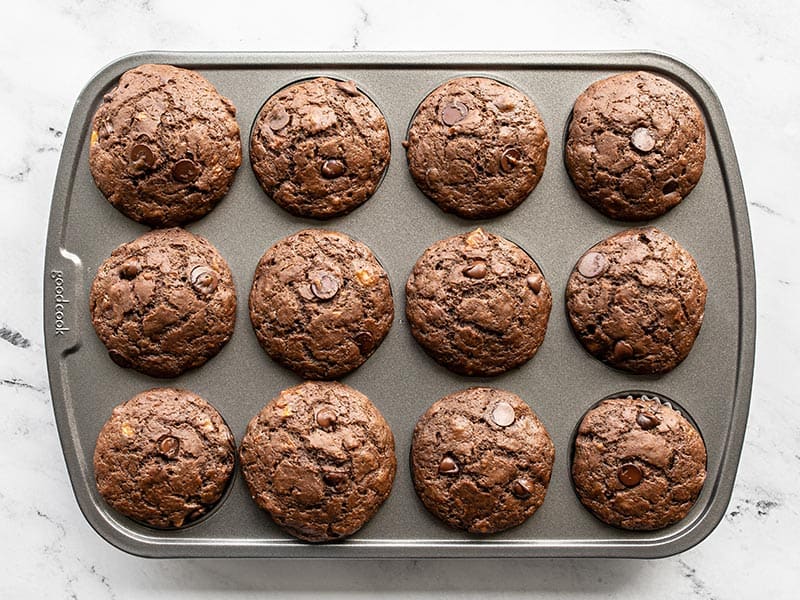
point(163, 303)
point(481, 460)
point(320, 303)
point(164, 146)
point(478, 304)
point(636, 301)
point(477, 147)
point(319, 458)
point(164, 458)
point(636, 145)
point(638, 464)
point(319, 148)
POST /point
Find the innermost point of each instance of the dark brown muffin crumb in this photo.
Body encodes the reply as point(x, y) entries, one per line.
point(319, 148)
point(478, 304)
point(477, 147)
point(321, 303)
point(638, 464)
point(320, 460)
point(636, 145)
point(481, 460)
point(164, 146)
point(163, 303)
point(164, 458)
point(636, 301)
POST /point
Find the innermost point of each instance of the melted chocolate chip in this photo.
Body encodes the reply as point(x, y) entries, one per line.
point(325, 417)
point(325, 286)
point(476, 271)
point(510, 159)
point(185, 171)
point(204, 279)
point(522, 488)
point(130, 269)
point(592, 264)
point(334, 478)
point(629, 475)
point(278, 119)
point(453, 112)
point(448, 466)
point(141, 156)
point(168, 446)
point(622, 350)
point(503, 414)
point(332, 168)
point(647, 421)
point(364, 340)
point(669, 187)
point(643, 140)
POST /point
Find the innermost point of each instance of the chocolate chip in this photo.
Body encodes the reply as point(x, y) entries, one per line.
point(185, 171)
point(503, 414)
point(476, 271)
point(522, 488)
point(334, 478)
point(141, 156)
point(364, 341)
point(453, 112)
point(592, 264)
point(204, 279)
point(448, 466)
point(119, 359)
point(669, 187)
point(510, 159)
point(534, 282)
point(622, 350)
point(642, 139)
point(647, 421)
point(629, 475)
point(168, 446)
point(332, 168)
point(130, 269)
point(348, 87)
point(324, 285)
point(325, 417)
point(278, 119)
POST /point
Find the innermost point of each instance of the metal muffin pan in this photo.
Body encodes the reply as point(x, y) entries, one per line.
point(560, 383)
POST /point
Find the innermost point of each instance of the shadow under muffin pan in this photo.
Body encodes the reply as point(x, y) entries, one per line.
point(398, 223)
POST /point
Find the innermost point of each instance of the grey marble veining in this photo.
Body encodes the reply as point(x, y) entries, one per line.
point(749, 52)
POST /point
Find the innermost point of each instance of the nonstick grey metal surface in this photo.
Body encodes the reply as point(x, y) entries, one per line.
point(398, 223)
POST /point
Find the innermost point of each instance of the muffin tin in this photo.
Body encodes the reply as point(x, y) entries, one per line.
point(560, 383)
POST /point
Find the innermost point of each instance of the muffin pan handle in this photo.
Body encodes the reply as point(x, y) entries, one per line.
point(63, 303)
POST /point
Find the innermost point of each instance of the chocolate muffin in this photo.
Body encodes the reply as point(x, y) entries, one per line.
point(320, 460)
point(163, 303)
point(319, 148)
point(477, 147)
point(636, 301)
point(636, 145)
point(164, 458)
point(638, 463)
point(481, 460)
point(320, 303)
point(478, 304)
point(164, 146)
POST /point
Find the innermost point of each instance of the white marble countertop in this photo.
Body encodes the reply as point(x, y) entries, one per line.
point(748, 51)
